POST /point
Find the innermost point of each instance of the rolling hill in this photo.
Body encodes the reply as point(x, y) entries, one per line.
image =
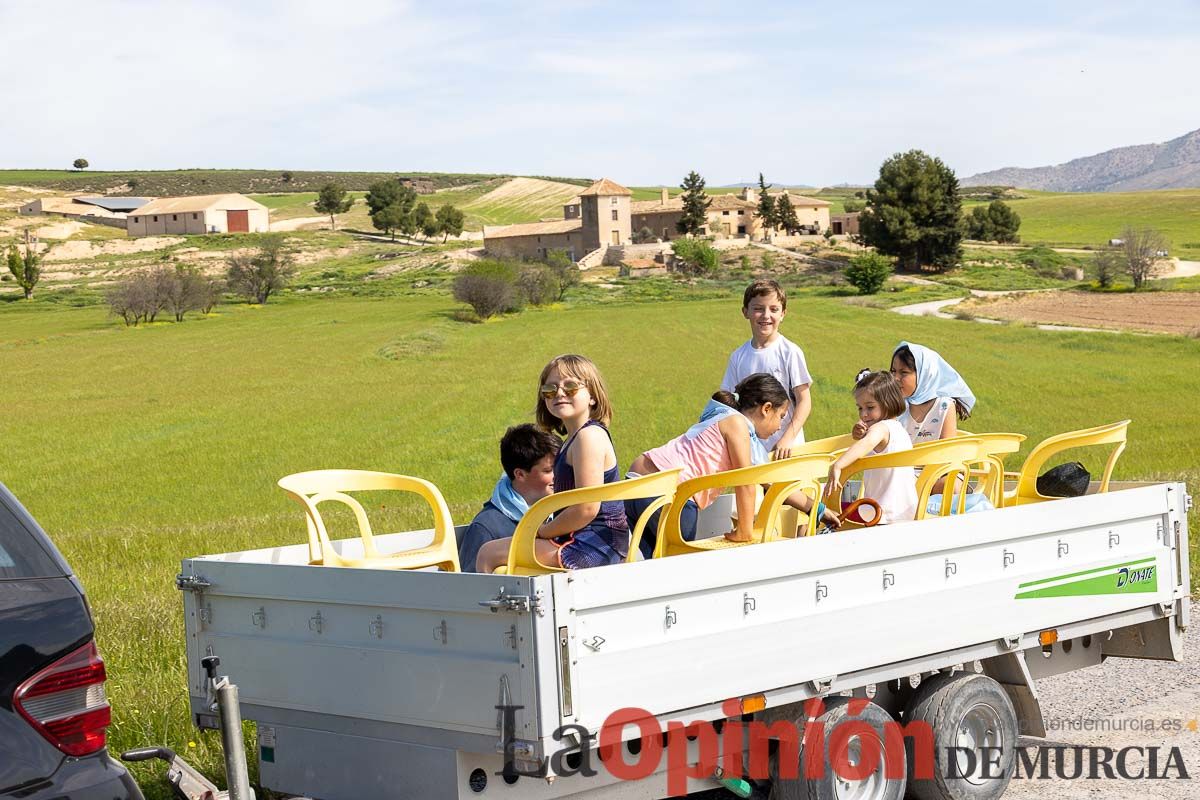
point(1170, 165)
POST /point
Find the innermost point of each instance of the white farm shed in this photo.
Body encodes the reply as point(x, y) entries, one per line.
point(212, 213)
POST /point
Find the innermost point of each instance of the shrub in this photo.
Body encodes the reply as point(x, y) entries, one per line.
point(644, 236)
point(565, 271)
point(767, 261)
point(1106, 265)
point(256, 277)
point(867, 272)
point(488, 287)
point(1043, 260)
point(140, 297)
point(695, 256)
point(537, 284)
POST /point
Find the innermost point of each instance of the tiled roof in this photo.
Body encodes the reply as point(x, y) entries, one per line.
point(799, 199)
point(605, 188)
point(200, 202)
point(720, 202)
point(532, 228)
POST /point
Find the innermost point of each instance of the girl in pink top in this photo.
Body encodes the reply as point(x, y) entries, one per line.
point(729, 435)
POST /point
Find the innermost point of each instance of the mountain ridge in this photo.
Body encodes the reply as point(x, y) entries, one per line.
point(1168, 165)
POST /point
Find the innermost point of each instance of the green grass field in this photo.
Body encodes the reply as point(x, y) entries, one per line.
point(1081, 220)
point(136, 448)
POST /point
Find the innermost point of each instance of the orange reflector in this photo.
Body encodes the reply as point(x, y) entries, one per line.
point(1048, 638)
point(753, 702)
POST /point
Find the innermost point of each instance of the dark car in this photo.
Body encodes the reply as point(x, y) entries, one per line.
point(53, 711)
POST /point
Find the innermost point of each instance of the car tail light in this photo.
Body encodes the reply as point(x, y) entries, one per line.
point(66, 703)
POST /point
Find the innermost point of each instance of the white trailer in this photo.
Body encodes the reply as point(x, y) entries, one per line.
point(386, 684)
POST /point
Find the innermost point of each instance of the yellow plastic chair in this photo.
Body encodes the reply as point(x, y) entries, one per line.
point(1026, 488)
point(990, 470)
point(522, 558)
point(785, 477)
point(944, 458)
point(310, 489)
point(830, 444)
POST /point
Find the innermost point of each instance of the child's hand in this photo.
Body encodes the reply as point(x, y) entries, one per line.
point(783, 449)
point(831, 519)
point(833, 486)
point(859, 430)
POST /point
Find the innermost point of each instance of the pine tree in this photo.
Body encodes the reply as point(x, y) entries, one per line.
point(766, 206)
point(695, 205)
point(785, 215)
point(333, 200)
point(913, 212)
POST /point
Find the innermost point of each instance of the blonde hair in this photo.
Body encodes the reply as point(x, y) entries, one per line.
point(582, 369)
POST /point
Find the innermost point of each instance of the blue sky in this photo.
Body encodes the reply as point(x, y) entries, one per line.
point(642, 92)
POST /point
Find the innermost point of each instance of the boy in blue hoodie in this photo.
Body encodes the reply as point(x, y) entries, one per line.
point(527, 455)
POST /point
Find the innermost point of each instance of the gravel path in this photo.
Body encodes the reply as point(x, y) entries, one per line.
point(1123, 692)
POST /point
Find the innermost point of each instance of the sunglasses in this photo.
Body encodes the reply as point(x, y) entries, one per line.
point(569, 388)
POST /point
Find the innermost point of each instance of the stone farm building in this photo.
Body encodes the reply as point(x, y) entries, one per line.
point(213, 213)
point(606, 215)
point(110, 208)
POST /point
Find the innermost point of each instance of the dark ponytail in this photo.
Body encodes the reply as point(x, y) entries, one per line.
point(754, 391)
point(725, 398)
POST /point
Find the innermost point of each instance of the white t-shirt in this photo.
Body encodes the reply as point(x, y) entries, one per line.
point(896, 488)
point(781, 358)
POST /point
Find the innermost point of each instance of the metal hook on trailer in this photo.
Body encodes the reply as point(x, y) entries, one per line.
point(187, 782)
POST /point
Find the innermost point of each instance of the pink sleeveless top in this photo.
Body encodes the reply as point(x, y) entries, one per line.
point(702, 454)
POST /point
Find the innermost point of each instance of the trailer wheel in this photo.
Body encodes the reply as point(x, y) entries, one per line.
point(969, 712)
point(831, 786)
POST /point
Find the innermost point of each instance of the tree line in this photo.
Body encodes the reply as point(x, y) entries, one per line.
point(914, 213)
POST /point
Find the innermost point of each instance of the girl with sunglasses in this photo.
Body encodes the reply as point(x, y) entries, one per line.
point(573, 401)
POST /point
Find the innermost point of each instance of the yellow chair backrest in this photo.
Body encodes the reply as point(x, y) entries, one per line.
point(1111, 434)
point(310, 489)
point(830, 444)
point(993, 448)
point(522, 557)
point(945, 458)
point(785, 477)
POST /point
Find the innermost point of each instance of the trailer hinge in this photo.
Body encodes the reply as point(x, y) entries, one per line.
point(192, 583)
point(517, 603)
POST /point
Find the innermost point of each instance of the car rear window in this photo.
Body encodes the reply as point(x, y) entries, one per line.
point(21, 555)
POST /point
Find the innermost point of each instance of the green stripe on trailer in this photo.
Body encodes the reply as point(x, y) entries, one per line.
point(1084, 572)
point(1124, 581)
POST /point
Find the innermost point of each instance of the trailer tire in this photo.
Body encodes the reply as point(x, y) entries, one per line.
point(964, 710)
point(830, 786)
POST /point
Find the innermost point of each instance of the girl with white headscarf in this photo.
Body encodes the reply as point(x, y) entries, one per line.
point(936, 395)
point(937, 398)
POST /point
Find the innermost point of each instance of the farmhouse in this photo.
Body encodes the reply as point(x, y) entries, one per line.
point(605, 215)
point(76, 207)
point(212, 213)
point(846, 223)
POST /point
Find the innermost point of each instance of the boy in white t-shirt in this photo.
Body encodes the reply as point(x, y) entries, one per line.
point(764, 304)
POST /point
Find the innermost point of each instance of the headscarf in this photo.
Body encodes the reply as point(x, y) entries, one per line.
point(507, 500)
point(716, 410)
point(936, 378)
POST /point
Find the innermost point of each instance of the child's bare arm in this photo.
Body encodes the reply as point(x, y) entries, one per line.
point(877, 435)
point(801, 408)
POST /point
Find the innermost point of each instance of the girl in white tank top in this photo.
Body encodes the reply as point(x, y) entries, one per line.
point(879, 404)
